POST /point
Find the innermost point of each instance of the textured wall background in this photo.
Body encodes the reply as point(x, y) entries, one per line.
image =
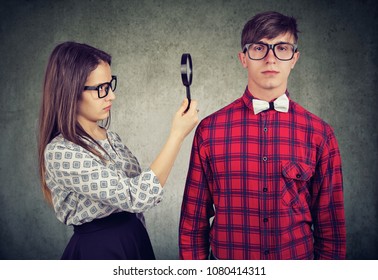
point(335, 78)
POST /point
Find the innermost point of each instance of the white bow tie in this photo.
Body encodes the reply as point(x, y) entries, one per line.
point(281, 104)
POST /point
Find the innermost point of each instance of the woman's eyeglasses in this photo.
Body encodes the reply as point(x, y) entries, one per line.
point(103, 89)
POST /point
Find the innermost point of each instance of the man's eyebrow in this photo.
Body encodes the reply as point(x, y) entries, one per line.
point(261, 42)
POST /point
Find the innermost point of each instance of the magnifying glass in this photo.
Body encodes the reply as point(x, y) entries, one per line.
point(187, 75)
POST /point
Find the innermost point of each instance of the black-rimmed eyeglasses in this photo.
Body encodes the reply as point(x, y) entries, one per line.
point(103, 89)
point(283, 51)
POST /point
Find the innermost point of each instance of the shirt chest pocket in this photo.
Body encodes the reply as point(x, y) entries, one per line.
point(294, 185)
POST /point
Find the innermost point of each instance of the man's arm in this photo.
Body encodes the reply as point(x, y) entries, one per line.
point(197, 206)
point(328, 204)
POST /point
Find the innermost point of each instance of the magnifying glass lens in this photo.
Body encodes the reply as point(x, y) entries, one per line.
point(186, 75)
point(186, 69)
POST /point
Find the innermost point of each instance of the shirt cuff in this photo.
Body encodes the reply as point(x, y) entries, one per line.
point(156, 190)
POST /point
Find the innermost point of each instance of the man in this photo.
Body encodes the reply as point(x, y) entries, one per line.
point(265, 169)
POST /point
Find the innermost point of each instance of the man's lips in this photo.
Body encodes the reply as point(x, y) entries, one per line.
point(270, 72)
point(108, 108)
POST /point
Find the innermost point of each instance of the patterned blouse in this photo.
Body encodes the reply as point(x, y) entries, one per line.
point(83, 188)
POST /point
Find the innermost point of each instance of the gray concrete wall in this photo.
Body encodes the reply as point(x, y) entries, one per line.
point(335, 78)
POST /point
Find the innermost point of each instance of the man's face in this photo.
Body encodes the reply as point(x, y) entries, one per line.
point(267, 78)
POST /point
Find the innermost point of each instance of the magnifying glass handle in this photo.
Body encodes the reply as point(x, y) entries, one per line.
point(189, 98)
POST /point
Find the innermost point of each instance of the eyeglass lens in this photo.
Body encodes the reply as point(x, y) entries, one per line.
point(282, 51)
point(103, 89)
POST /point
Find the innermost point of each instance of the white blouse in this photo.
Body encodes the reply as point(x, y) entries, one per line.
point(83, 188)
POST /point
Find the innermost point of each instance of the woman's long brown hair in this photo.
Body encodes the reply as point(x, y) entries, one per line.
point(67, 70)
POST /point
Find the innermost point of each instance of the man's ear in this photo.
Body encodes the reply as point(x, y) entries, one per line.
point(295, 59)
point(243, 59)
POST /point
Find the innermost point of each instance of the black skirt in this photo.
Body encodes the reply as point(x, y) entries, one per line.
point(120, 236)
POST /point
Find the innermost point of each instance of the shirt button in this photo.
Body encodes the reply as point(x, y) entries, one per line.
point(265, 158)
point(265, 220)
point(298, 176)
point(266, 252)
point(265, 189)
point(265, 129)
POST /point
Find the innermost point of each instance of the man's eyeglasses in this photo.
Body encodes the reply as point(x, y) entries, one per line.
point(103, 89)
point(282, 51)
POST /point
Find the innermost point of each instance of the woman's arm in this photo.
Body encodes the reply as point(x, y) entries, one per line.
point(182, 125)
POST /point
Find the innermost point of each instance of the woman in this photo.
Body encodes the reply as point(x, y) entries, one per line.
point(92, 180)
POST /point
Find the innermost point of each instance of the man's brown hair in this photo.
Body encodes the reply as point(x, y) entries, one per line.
point(268, 25)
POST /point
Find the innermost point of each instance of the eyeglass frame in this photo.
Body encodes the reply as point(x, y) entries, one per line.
point(271, 47)
point(100, 85)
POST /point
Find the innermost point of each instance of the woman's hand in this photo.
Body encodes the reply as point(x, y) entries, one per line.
point(183, 123)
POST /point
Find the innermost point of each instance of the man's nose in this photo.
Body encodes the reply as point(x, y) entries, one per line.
point(270, 57)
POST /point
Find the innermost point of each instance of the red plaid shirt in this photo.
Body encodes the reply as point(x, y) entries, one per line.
point(272, 182)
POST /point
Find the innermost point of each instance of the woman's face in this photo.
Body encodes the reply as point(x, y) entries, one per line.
point(91, 108)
